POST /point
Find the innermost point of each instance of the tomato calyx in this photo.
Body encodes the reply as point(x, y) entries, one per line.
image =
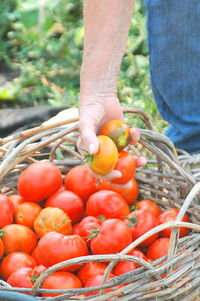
point(133, 207)
point(94, 232)
point(133, 220)
point(35, 277)
point(2, 232)
point(101, 218)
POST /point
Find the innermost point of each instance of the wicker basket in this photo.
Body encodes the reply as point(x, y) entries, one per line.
point(166, 179)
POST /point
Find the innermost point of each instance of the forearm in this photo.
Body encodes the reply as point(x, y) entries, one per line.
point(106, 24)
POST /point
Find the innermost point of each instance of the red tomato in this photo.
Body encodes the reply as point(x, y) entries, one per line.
point(15, 261)
point(25, 277)
point(1, 248)
point(128, 266)
point(97, 280)
point(124, 267)
point(90, 269)
point(21, 278)
point(6, 212)
point(75, 229)
point(16, 199)
point(127, 166)
point(149, 206)
point(158, 248)
point(106, 158)
point(137, 253)
point(118, 131)
point(76, 177)
point(38, 270)
point(55, 247)
point(52, 219)
point(140, 222)
point(39, 180)
point(87, 226)
point(114, 235)
point(18, 238)
point(35, 256)
point(171, 215)
point(26, 213)
point(60, 280)
point(129, 194)
point(69, 202)
point(107, 204)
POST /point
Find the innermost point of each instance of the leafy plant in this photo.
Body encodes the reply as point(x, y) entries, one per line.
point(43, 44)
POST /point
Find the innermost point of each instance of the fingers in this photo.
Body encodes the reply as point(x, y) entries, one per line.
point(114, 174)
point(135, 136)
point(127, 185)
point(140, 162)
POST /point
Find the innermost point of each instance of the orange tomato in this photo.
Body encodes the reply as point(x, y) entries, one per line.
point(52, 219)
point(104, 161)
point(18, 238)
point(118, 131)
point(14, 261)
point(26, 213)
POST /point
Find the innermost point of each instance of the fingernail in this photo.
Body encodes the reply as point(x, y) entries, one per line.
point(91, 149)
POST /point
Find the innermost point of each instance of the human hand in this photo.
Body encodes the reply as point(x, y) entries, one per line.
point(94, 111)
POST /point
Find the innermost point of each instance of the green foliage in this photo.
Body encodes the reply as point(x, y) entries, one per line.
point(44, 45)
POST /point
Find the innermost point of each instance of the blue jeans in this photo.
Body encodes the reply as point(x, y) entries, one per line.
point(173, 28)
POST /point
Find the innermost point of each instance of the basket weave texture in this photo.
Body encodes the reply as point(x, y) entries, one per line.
point(169, 179)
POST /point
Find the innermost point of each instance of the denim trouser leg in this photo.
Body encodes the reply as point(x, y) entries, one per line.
point(173, 28)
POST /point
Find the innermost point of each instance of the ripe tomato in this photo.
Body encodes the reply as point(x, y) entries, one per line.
point(21, 278)
point(16, 199)
point(25, 277)
point(55, 247)
point(35, 256)
point(52, 219)
point(158, 248)
point(107, 204)
point(26, 213)
point(129, 194)
point(124, 267)
point(87, 225)
point(1, 248)
point(170, 215)
point(14, 261)
point(6, 212)
point(90, 269)
point(140, 222)
point(118, 131)
point(97, 280)
point(18, 238)
point(60, 280)
point(127, 266)
point(77, 175)
point(75, 229)
point(69, 202)
point(113, 236)
point(106, 158)
point(149, 206)
point(127, 166)
point(39, 180)
point(137, 253)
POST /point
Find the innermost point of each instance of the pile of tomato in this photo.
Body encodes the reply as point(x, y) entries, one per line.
point(56, 217)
